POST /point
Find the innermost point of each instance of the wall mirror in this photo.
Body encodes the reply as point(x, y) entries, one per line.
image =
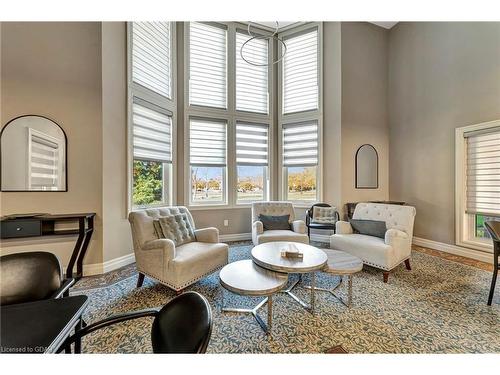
point(33, 155)
point(366, 167)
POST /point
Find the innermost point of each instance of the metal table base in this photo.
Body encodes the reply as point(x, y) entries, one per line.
point(332, 291)
point(269, 300)
point(309, 307)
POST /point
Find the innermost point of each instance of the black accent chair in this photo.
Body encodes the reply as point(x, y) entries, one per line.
point(32, 276)
point(493, 228)
point(183, 325)
point(309, 216)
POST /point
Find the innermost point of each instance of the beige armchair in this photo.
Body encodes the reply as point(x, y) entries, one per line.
point(175, 267)
point(298, 232)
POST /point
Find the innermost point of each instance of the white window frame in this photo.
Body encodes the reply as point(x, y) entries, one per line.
point(296, 117)
point(464, 222)
point(169, 105)
point(230, 115)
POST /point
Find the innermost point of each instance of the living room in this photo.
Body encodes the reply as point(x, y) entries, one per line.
point(261, 187)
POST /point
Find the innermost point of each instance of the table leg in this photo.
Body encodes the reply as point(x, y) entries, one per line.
point(313, 285)
point(269, 314)
point(78, 342)
point(349, 291)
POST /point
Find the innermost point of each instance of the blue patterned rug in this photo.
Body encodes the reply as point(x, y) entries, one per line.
point(438, 307)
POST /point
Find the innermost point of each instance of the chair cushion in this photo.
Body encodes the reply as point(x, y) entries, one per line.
point(369, 227)
point(372, 250)
point(195, 259)
point(324, 215)
point(282, 235)
point(177, 228)
point(271, 222)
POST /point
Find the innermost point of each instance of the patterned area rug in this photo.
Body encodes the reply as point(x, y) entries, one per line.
point(438, 307)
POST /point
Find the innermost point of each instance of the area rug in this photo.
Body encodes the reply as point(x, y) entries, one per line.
point(438, 307)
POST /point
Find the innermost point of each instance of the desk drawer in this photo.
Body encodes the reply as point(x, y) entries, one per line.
point(20, 228)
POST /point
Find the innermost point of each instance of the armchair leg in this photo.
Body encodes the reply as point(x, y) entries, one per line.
point(140, 280)
point(407, 264)
point(386, 277)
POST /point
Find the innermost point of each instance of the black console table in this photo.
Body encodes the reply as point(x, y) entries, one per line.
point(44, 225)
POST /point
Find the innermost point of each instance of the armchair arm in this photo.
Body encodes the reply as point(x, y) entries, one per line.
point(164, 244)
point(395, 237)
point(63, 290)
point(257, 227)
point(298, 226)
point(210, 235)
point(343, 227)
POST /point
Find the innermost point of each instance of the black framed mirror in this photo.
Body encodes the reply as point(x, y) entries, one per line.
point(366, 167)
point(33, 155)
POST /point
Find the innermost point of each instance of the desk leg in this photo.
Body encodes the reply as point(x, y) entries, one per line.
point(83, 251)
point(76, 249)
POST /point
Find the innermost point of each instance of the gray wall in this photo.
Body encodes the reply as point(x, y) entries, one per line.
point(441, 76)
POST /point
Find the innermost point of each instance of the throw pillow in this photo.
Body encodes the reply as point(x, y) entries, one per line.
point(369, 227)
point(275, 222)
point(177, 228)
point(324, 215)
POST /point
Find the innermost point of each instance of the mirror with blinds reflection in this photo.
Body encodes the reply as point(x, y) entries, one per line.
point(33, 155)
point(366, 167)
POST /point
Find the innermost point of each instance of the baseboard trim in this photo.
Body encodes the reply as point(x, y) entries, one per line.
point(110, 265)
point(454, 249)
point(235, 237)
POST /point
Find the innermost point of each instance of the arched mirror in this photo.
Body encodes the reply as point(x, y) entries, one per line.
point(366, 167)
point(33, 155)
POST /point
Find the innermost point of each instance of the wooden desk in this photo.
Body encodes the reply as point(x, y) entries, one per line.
point(41, 326)
point(44, 225)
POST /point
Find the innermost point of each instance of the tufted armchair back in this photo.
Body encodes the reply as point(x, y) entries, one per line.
point(141, 222)
point(273, 208)
point(395, 216)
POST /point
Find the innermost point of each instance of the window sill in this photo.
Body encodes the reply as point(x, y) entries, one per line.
point(217, 207)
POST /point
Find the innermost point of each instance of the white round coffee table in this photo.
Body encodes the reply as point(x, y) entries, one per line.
point(247, 278)
point(342, 264)
point(268, 255)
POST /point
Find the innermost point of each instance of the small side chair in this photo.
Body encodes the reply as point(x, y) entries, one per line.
point(183, 325)
point(324, 226)
point(493, 228)
point(31, 276)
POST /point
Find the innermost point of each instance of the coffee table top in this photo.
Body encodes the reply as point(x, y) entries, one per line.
point(247, 278)
point(342, 263)
point(268, 255)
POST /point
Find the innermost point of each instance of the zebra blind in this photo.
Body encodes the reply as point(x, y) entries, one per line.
point(251, 80)
point(300, 144)
point(152, 132)
point(300, 73)
point(151, 56)
point(207, 142)
point(44, 162)
point(207, 65)
point(252, 144)
point(483, 172)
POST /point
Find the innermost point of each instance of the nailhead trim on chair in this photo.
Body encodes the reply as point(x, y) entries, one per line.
point(182, 286)
point(382, 267)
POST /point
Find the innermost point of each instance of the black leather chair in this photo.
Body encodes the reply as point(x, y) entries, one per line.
point(32, 276)
point(183, 325)
point(309, 216)
point(493, 228)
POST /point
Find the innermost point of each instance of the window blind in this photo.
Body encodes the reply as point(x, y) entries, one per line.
point(151, 56)
point(483, 172)
point(300, 144)
point(300, 73)
point(44, 163)
point(207, 140)
point(251, 80)
point(252, 144)
point(207, 65)
point(152, 132)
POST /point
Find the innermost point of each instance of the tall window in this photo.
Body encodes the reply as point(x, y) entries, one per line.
point(207, 139)
point(300, 115)
point(229, 114)
point(207, 65)
point(151, 112)
point(478, 181)
point(252, 160)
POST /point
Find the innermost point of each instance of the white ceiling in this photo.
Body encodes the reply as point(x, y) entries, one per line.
point(284, 24)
